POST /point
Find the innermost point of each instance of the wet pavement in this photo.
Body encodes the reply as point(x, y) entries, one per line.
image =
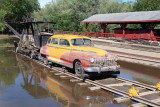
point(26, 83)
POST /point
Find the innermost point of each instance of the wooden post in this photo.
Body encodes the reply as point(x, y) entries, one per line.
point(103, 26)
point(152, 26)
point(86, 25)
point(123, 26)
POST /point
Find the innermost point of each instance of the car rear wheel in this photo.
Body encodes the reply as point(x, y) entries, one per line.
point(79, 69)
point(45, 61)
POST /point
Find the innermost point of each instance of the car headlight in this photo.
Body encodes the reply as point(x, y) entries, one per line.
point(116, 58)
point(92, 60)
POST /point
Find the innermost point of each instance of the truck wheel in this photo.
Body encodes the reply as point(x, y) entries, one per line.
point(32, 55)
point(17, 50)
point(78, 68)
point(45, 61)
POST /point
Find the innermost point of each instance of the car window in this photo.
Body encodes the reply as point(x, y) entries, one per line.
point(64, 42)
point(54, 41)
point(49, 41)
point(81, 42)
point(77, 42)
point(87, 42)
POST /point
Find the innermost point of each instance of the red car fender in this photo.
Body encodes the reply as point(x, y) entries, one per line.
point(44, 51)
point(84, 63)
point(84, 58)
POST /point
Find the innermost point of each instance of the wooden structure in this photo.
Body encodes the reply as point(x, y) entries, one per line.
point(147, 19)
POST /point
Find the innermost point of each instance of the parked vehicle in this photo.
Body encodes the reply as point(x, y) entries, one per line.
point(32, 38)
point(78, 52)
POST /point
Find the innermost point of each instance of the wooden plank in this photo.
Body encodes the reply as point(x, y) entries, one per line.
point(74, 80)
point(58, 73)
point(64, 76)
point(94, 88)
point(54, 71)
point(118, 84)
point(122, 99)
point(148, 92)
point(156, 100)
point(139, 105)
point(83, 84)
point(140, 88)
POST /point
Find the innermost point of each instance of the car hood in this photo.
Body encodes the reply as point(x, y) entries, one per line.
point(90, 50)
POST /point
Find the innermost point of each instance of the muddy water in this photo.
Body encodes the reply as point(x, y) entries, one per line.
point(24, 83)
point(141, 73)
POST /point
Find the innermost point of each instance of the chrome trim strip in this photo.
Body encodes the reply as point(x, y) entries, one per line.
point(103, 69)
point(83, 50)
point(72, 49)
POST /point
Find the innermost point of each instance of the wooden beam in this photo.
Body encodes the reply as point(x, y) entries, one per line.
point(148, 92)
point(94, 88)
point(119, 84)
point(83, 84)
point(121, 99)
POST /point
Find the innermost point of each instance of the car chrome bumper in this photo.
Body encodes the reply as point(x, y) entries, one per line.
point(102, 69)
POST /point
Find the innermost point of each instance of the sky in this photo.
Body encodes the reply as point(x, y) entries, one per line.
point(43, 2)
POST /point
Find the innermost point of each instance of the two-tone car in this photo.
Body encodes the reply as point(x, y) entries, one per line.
point(78, 52)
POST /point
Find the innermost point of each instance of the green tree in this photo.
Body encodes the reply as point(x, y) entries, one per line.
point(16, 10)
point(146, 5)
point(2, 14)
point(69, 13)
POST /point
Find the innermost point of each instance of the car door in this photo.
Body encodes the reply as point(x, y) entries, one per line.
point(52, 49)
point(63, 51)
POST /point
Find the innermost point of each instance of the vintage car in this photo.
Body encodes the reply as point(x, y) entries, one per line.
point(78, 52)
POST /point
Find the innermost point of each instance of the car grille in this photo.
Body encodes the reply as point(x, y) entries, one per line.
point(103, 62)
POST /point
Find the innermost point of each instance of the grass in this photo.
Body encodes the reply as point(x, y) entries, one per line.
point(7, 41)
point(4, 36)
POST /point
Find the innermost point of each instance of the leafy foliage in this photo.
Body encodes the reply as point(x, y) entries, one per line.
point(15, 10)
point(69, 13)
point(18, 9)
point(2, 14)
point(146, 5)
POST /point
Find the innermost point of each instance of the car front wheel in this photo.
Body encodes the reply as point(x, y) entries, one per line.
point(79, 69)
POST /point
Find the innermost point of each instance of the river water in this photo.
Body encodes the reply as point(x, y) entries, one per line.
point(28, 84)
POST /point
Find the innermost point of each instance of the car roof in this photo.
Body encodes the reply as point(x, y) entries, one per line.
point(69, 36)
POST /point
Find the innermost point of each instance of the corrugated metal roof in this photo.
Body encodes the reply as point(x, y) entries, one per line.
point(129, 17)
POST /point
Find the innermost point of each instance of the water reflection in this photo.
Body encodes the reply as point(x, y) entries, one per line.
point(141, 73)
point(31, 80)
point(8, 71)
point(26, 83)
point(60, 90)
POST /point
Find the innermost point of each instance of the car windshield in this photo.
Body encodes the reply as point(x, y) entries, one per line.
point(81, 42)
